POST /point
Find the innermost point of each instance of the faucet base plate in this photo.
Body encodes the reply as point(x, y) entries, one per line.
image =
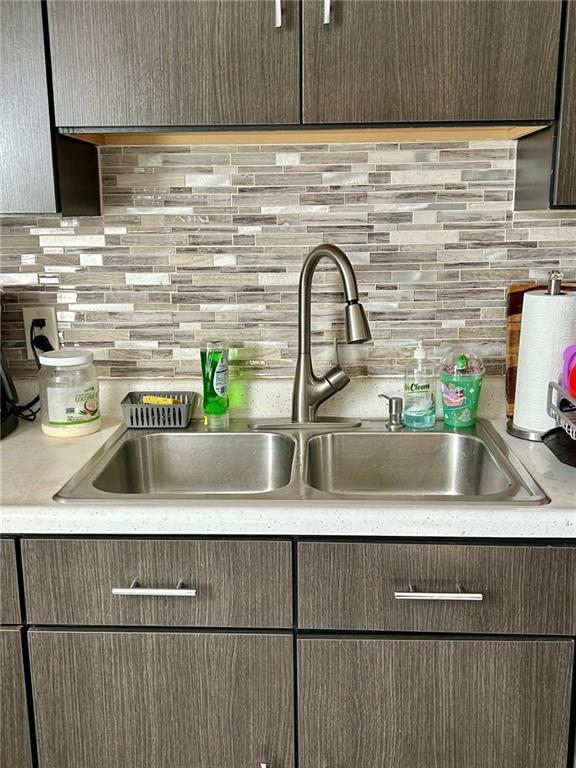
point(323, 422)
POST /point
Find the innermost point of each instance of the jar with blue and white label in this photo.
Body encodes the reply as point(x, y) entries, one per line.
point(69, 395)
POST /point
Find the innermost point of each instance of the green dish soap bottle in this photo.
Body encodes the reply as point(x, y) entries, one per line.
point(419, 391)
point(214, 361)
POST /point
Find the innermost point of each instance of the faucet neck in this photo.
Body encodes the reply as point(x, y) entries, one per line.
point(309, 390)
point(349, 285)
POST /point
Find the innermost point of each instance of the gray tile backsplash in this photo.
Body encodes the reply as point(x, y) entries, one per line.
point(206, 242)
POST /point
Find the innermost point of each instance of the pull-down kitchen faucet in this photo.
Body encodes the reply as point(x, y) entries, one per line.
point(310, 390)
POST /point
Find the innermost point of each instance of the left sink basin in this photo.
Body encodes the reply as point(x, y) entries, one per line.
point(191, 464)
point(199, 464)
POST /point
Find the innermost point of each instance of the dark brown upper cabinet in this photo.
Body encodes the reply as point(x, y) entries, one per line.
point(402, 61)
point(546, 165)
point(564, 192)
point(38, 173)
point(26, 169)
point(122, 63)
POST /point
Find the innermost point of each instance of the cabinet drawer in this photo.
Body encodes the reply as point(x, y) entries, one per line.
point(236, 583)
point(524, 590)
point(9, 602)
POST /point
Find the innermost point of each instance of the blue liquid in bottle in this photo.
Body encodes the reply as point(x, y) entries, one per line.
point(419, 392)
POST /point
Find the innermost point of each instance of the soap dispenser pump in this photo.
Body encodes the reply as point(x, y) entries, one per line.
point(419, 391)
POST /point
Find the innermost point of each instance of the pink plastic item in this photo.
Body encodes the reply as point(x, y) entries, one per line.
point(569, 370)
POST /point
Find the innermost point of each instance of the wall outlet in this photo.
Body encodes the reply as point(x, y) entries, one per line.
point(50, 330)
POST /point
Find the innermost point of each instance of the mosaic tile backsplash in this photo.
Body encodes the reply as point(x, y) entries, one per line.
point(206, 242)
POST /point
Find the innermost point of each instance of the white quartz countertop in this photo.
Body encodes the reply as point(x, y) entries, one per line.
point(34, 467)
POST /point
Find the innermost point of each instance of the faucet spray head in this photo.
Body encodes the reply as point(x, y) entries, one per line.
point(357, 328)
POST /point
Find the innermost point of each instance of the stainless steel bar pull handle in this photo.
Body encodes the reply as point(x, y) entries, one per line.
point(327, 10)
point(459, 595)
point(278, 13)
point(135, 590)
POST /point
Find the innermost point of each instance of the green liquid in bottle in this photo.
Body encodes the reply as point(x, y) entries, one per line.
point(215, 379)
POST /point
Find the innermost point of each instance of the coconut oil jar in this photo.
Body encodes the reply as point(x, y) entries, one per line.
point(69, 393)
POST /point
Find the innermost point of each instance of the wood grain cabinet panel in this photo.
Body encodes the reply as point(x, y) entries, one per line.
point(15, 738)
point(430, 60)
point(383, 703)
point(26, 163)
point(565, 176)
point(119, 63)
point(9, 600)
point(526, 590)
point(238, 583)
point(162, 700)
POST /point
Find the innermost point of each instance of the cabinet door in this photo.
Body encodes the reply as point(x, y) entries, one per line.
point(155, 63)
point(406, 703)
point(565, 177)
point(26, 169)
point(430, 60)
point(159, 700)
point(15, 738)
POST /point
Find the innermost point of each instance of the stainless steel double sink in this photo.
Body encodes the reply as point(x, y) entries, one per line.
point(367, 464)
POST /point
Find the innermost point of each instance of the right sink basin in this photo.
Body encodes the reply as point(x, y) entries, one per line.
point(411, 466)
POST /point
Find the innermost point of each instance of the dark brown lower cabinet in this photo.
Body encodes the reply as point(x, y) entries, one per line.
point(434, 703)
point(139, 699)
point(14, 734)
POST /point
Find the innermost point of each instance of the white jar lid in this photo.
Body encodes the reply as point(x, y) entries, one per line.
point(67, 356)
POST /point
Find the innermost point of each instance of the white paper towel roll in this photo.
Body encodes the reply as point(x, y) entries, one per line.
point(548, 327)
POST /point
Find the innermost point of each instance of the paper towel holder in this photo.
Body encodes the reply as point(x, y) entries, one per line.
point(555, 277)
point(524, 434)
